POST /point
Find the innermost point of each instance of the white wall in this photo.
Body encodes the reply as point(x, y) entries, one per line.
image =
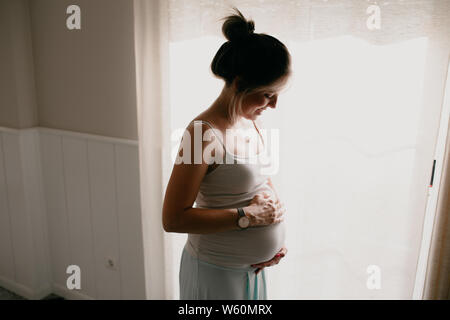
point(85, 79)
point(69, 198)
point(18, 105)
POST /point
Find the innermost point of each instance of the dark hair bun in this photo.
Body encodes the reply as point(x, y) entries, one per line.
point(236, 27)
point(257, 59)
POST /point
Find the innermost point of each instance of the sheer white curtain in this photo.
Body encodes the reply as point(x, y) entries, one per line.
point(358, 132)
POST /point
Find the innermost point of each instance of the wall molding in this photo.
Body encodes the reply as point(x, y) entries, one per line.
point(72, 134)
point(89, 136)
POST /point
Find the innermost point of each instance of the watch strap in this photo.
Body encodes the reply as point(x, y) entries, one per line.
point(241, 212)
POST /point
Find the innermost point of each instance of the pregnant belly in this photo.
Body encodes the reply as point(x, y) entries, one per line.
point(239, 248)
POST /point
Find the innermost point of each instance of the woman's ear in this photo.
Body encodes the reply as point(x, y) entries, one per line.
point(236, 83)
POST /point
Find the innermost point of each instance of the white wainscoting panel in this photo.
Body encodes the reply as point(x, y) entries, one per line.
point(102, 176)
point(92, 193)
point(24, 265)
point(58, 226)
point(130, 223)
point(79, 215)
point(69, 198)
point(20, 222)
point(35, 207)
point(7, 268)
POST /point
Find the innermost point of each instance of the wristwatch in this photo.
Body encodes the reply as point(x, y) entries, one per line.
point(243, 220)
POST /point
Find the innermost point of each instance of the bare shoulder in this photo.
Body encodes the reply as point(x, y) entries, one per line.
point(205, 125)
point(199, 133)
point(211, 125)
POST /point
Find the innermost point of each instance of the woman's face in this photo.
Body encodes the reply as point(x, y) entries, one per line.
point(256, 103)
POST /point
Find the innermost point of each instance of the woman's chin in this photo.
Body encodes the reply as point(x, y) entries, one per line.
point(251, 116)
point(254, 115)
point(257, 113)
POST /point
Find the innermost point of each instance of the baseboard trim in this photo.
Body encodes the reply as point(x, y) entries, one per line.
point(69, 294)
point(29, 294)
point(25, 291)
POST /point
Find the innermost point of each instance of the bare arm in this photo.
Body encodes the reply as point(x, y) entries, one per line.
point(178, 215)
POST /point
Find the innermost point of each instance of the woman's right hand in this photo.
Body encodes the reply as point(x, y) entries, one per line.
point(263, 210)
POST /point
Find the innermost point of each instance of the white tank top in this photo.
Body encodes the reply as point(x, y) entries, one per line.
point(233, 185)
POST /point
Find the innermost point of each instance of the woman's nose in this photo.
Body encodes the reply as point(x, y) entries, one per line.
point(273, 103)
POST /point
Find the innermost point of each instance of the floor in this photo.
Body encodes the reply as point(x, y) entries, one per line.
point(8, 295)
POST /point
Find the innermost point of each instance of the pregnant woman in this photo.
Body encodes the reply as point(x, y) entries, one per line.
point(218, 192)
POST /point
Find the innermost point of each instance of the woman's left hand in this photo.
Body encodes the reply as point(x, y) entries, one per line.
point(272, 261)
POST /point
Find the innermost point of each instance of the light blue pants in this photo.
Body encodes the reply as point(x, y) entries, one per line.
point(200, 280)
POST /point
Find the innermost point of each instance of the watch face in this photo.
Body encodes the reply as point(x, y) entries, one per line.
point(243, 222)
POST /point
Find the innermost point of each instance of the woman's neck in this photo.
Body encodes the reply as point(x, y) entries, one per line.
point(219, 110)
